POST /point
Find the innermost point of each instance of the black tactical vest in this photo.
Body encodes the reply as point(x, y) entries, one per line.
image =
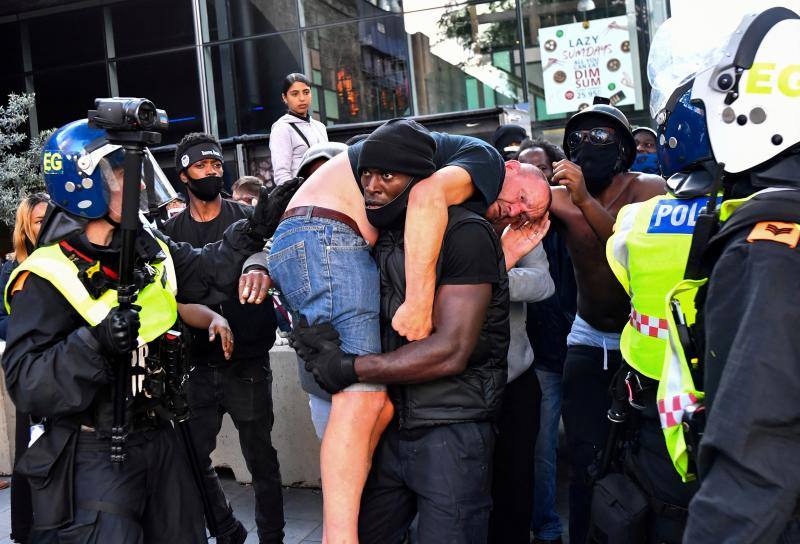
point(473, 395)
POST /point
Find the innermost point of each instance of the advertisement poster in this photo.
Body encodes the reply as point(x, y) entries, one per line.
point(584, 60)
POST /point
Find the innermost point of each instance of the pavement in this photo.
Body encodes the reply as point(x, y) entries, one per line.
point(302, 509)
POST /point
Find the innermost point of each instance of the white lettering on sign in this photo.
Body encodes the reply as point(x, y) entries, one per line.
point(677, 214)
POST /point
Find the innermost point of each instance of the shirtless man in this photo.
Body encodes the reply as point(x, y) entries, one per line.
point(595, 184)
point(320, 259)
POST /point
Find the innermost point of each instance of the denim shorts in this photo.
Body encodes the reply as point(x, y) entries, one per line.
point(325, 273)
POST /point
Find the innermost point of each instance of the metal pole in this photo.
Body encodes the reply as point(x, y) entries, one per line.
point(201, 66)
point(523, 67)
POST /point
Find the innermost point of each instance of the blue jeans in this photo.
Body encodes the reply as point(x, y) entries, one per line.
point(325, 273)
point(545, 522)
point(320, 413)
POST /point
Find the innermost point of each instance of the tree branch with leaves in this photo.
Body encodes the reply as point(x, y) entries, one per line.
point(20, 164)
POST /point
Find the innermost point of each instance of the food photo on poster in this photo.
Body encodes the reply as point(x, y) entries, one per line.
point(584, 60)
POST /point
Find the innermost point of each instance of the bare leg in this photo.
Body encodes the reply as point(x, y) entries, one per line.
point(356, 422)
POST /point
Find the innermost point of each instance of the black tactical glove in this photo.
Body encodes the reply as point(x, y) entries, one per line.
point(318, 346)
point(271, 205)
point(305, 338)
point(118, 332)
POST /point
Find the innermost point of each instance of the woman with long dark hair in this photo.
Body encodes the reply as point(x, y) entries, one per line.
point(30, 213)
point(293, 133)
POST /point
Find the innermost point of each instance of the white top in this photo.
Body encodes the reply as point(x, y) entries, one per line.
point(287, 147)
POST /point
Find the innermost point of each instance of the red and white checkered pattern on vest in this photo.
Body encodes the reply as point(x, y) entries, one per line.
point(670, 410)
point(649, 325)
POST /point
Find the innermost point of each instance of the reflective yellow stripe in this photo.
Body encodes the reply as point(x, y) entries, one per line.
point(159, 307)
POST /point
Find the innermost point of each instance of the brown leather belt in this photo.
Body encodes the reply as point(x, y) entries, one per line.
point(325, 213)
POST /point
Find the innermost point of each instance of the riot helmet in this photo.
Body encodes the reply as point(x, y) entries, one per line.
point(82, 169)
point(682, 145)
point(746, 79)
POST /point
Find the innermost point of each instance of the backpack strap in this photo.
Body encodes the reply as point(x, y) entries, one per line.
point(300, 133)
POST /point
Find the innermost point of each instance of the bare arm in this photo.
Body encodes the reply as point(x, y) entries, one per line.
point(426, 221)
point(203, 317)
point(569, 175)
point(458, 313)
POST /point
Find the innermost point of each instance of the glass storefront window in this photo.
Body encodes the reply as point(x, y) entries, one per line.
point(226, 19)
point(323, 12)
point(11, 84)
point(142, 26)
point(363, 70)
point(170, 80)
point(59, 100)
point(245, 86)
point(66, 39)
point(465, 55)
point(11, 46)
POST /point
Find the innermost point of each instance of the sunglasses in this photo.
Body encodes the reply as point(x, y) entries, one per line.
point(595, 136)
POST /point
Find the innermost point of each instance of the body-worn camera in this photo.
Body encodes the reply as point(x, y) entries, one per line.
point(127, 114)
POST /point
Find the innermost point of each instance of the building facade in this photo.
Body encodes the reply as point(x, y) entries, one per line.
point(218, 65)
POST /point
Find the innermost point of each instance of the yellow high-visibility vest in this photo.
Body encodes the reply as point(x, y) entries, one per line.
point(648, 253)
point(157, 299)
point(677, 393)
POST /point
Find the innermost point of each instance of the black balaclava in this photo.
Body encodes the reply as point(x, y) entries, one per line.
point(209, 187)
point(401, 146)
point(599, 163)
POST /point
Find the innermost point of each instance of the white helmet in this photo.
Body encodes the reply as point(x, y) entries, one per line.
point(751, 92)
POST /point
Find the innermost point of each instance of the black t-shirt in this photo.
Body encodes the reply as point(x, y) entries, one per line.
point(468, 256)
point(482, 161)
point(253, 325)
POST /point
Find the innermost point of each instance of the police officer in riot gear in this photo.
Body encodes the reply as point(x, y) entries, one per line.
point(648, 253)
point(68, 339)
point(746, 337)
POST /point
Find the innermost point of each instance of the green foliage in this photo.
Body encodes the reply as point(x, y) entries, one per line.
point(20, 164)
point(458, 24)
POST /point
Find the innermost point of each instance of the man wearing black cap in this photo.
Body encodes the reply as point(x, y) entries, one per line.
point(242, 386)
point(595, 184)
point(451, 169)
point(435, 456)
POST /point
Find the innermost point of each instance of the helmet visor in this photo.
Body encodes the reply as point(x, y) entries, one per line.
point(158, 188)
point(154, 189)
point(686, 45)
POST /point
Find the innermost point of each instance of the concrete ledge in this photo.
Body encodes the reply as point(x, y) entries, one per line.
point(292, 435)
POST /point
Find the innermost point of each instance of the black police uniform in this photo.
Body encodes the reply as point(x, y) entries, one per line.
point(55, 368)
point(748, 459)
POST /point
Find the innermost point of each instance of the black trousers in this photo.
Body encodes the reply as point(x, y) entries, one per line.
point(243, 389)
point(648, 462)
point(442, 473)
point(584, 408)
point(512, 484)
point(150, 498)
point(21, 508)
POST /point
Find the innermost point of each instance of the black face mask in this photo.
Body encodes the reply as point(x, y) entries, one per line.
point(207, 188)
point(393, 213)
point(599, 163)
